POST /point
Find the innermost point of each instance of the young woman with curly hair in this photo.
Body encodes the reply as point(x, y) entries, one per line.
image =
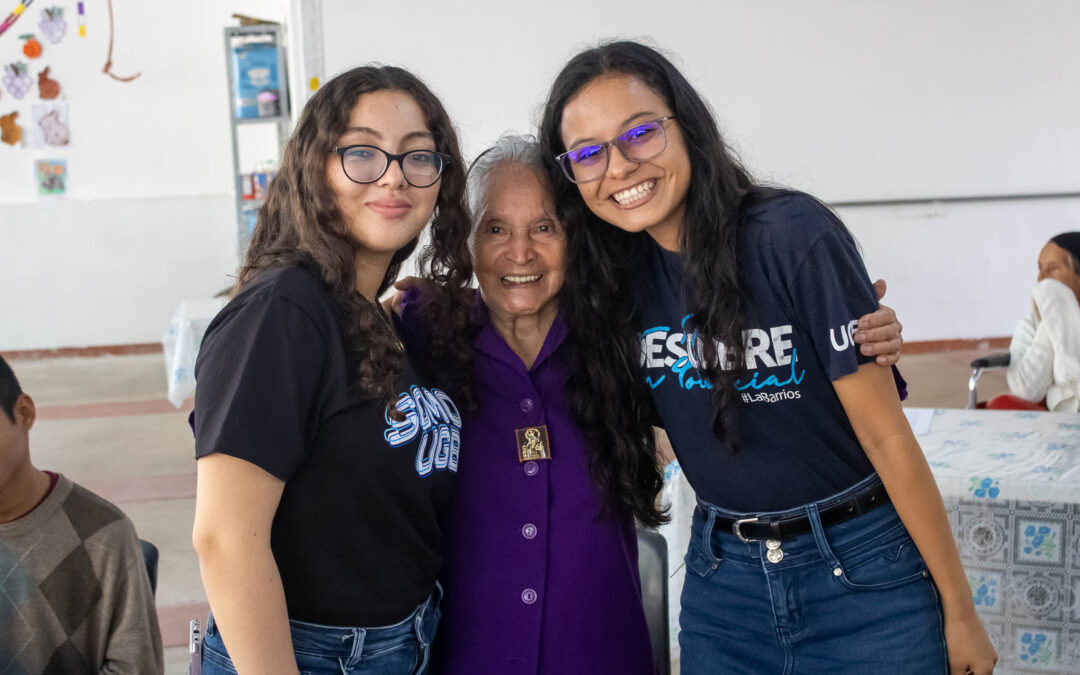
point(820, 544)
point(325, 456)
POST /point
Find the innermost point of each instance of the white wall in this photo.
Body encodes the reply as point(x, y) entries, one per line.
point(853, 99)
point(959, 270)
point(148, 219)
point(849, 99)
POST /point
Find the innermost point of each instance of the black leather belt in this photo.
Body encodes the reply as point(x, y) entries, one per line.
point(754, 529)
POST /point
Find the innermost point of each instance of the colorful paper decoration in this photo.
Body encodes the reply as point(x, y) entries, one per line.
point(48, 89)
point(51, 128)
point(10, 132)
point(82, 21)
point(52, 23)
point(14, 16)
point(51, 177)
point(16, 79)
point(31, 48)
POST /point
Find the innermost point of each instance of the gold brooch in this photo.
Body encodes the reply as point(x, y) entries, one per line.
point(532, 443)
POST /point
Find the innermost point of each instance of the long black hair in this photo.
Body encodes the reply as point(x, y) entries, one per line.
point(604, 259)
point(301, 224)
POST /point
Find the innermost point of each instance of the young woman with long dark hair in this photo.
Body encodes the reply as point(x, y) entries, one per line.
point(820, 544)
point(325, 457)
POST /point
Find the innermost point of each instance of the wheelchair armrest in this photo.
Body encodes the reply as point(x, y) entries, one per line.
point(993, 361)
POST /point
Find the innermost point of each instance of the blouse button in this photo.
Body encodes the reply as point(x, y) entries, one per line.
point(529, 531)
point(526, 405)
point(528, 596)
point(531, 468)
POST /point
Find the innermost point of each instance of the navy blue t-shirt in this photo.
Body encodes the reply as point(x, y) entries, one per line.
point(808, 287)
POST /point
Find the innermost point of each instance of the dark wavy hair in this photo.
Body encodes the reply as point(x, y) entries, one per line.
point(300, 223)
point(603, 260)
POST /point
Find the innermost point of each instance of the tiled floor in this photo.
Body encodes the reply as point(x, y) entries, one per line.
point(105, 423)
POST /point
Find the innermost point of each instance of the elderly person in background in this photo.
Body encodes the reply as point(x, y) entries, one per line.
point(540, 554)
point(1045, 349)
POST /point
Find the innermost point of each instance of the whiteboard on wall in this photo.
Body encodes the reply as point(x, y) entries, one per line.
point(851, 99)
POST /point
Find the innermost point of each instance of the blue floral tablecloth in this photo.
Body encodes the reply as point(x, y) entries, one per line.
point(1011, 484)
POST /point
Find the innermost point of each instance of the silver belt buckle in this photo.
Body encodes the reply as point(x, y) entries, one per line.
point(737, 524)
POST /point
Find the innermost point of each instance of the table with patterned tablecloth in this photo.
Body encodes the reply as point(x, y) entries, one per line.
point(1011, 485)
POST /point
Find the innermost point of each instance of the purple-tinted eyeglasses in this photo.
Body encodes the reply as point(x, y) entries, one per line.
point(637, 144)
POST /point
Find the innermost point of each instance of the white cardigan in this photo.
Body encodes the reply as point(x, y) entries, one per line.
point(1045, 350)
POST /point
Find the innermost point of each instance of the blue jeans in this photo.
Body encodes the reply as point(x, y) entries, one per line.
point(400, 649)
point(853, 597)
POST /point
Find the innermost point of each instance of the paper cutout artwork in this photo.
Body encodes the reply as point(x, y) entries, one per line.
point(31, 48)
point(16, 79)
point(51, 177)
point(52, 23)
point(10, 132)
point(48, 89)
point(51, 125)
point(19, 10)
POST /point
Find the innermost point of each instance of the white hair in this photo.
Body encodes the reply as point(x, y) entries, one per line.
point(511, 149)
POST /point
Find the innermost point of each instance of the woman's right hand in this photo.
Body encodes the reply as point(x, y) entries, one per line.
point(393, 303)
point(970, 649)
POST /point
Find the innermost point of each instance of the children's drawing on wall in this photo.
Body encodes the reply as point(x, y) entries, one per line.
point(52, 23)
point(51, 177)
point(19, 10)
point(51, 128)
point(31, 48)
point(48, 88)
point(10, 132)
point(16, 78)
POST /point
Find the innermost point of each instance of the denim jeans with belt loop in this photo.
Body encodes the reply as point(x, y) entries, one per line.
point(852, 597)
point(400, 649)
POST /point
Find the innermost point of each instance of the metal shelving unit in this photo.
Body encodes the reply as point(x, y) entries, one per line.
point(235, 36)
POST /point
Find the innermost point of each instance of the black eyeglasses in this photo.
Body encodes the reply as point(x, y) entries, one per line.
point(367, 164)
point(637, 144)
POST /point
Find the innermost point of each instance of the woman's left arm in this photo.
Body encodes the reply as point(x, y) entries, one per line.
point(870, 401)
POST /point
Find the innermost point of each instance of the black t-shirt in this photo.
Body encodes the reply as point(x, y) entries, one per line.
point(356, 535)
point(808, 287)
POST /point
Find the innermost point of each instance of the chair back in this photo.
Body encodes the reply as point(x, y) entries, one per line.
point(150, 556)
point(653, 569)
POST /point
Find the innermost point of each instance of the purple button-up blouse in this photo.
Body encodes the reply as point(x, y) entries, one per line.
point(536, 580)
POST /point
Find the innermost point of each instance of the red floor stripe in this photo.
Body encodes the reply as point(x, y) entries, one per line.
point(100, 350)
point(117, 409)
point(144, 488)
